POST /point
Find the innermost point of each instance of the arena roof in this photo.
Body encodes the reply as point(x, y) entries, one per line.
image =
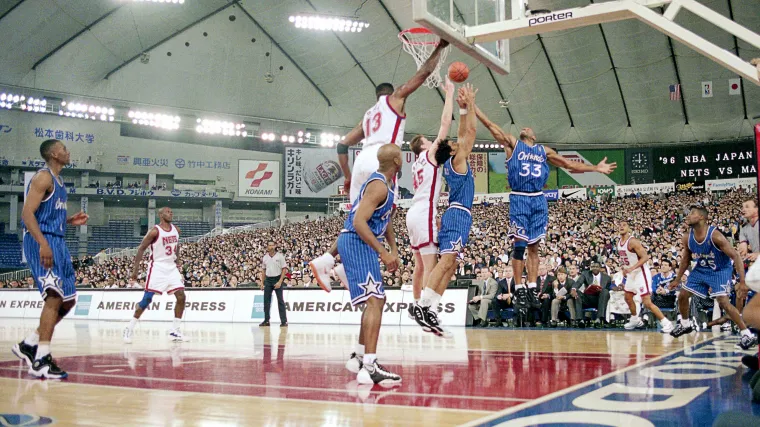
point(603, 84)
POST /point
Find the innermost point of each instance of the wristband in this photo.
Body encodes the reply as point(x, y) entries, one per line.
point(463, 111)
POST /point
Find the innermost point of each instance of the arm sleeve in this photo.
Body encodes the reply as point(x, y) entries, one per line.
point(744, 235)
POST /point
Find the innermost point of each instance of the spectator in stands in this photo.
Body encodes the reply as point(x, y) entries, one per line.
point(663, 297)
point(480, 303)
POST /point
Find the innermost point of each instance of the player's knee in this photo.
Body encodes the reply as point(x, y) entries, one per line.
point(146, 300)
point(519, 252)
point(180, 297)
point(65, 308)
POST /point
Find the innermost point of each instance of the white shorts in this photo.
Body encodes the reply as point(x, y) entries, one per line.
point(753, 277)
point(365, 164)
point(423, 229)
point(163, 278)
point(639, 282)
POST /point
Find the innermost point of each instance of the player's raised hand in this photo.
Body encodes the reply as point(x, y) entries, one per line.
point(469, 93)
point(390, 261)
point(606, 168)
point(79, 218)
point(448, 86)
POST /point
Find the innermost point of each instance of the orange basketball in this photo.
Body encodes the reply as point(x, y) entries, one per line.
point(458, 72)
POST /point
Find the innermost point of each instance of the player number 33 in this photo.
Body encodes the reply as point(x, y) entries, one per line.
point(526, 170)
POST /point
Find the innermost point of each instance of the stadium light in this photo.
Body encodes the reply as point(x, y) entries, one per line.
point(328, 23)
point(163, 121)
point(220, 127)
point(88, 111)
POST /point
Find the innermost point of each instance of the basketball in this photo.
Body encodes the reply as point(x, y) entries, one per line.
point(458, 72)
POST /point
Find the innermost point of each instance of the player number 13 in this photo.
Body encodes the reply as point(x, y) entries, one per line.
point(526, 170)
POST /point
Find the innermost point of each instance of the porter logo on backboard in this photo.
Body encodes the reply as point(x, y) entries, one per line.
point(258, 307)
point(544, 19)
point(83, 305)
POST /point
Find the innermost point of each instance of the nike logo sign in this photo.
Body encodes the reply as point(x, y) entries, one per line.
point(567, 195)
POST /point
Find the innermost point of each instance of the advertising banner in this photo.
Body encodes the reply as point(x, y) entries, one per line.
point(311, 172)
point(479, 167)
point(497, 174)
point(567, 178)
point(603, 191)
point(729, 184)
point(551, 195)
point(572, 193)
point(705, 161)
point(257, 179)
point(639, 166)
point(627, 190)
point(687, 186)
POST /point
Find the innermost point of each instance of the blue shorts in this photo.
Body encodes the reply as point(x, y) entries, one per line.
point(528, 217)
point(710, 284)
point(455, 230)
point(60, 279)
point(362, 266)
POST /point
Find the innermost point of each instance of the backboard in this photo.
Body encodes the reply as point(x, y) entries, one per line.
point(448, 18)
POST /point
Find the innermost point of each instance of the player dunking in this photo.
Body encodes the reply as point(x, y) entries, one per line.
point(711, 275)
point(163, 274)
point(633, 259)
point(421, 218)
point(44, 222)
point(527, 173)
point(457, 220)
point(359, 245)
point(382, 124)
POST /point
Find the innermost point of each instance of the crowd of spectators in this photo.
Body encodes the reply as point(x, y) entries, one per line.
point(580, 234)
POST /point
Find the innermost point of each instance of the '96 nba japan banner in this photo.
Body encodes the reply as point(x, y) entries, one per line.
point(258, 179)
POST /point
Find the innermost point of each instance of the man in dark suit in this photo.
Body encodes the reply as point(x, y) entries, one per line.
point(545, 292)
point(504, 295)
point(589, 292)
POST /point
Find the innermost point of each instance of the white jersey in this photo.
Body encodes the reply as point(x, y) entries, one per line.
point(628, 258)
point(164, 248)
point(638, 281)
point(427, 181)
point(383, 125)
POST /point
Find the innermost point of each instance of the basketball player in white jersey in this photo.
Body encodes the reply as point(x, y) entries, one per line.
point(421, 219)
point(638, 278)
point(163, 274)
point(382, 124)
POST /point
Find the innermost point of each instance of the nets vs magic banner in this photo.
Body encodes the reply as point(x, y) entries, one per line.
point(705, 161)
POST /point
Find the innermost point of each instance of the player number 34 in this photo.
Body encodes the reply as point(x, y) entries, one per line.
point(526, 170)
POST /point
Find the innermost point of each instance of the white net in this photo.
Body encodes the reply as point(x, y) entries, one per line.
point(420, 43)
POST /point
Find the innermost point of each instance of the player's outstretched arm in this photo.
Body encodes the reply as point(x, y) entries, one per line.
point(41, 183)
point(685, 261)
point(398, 98)
point(149, 238)
point(467, 127)
point(507, 140)
point(555, 159)
point(448, 108)
point(352, 138)
point(720, 242)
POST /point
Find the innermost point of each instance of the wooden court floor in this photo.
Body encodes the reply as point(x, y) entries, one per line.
point(240, 374)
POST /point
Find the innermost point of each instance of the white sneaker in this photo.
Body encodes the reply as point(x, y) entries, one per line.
point(377, 374)
point(127, 336)
point(176, 336)
point(634, 323)
point(340, 271)
point(667, 326)
point(355, 363)
point(321, 267)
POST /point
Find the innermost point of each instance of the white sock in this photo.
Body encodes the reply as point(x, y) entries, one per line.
point(417, 301)
point(33, 338)
point(360, 350)
point(369, 359)
point(176, 323)
point(532, 285)
point(635, 318)
point(429, 298)
point(746, 332)
point(132, 324)
point(42, 350)
point(685, 323)
point(665, 321)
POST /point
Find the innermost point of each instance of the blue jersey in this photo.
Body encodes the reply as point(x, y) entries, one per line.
point(51, 214)
point(660, 280)
point(527, 170)
point(379, 220)
point(461, 185)
point(708, 257)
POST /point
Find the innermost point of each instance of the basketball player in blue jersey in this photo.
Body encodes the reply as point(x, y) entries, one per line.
point(44, 222)
point(457, 220)
point(527, 173)
point(712, 274)
point(359, 245)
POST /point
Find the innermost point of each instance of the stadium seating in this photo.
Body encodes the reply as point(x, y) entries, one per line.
point(193, 228)
point(117, 234)
point(10, 256)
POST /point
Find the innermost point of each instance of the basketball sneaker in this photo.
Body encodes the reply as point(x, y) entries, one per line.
point(410, 310)
point(127, 336)
point(681, 330)
point(355, 363)
point(375, 373)
point(25, 352)
point(726, 327)
point(47, 368)
point(667, 326)
point(635, 322)
point(340, 271)
point(746, 342)
point(428, 319)
point(321, 267)
point(176, 336)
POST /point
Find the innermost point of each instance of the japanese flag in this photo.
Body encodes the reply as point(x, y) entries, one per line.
point(734, 86)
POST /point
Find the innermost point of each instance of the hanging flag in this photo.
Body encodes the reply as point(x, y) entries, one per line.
point(707, 90)
point(734, 86)
point(675, 92)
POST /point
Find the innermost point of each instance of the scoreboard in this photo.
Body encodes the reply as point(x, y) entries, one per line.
point(704, 161)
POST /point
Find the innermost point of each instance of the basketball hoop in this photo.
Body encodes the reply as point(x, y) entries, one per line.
point(420, 43)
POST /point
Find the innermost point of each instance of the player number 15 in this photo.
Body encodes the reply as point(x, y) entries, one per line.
point(526, 170)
